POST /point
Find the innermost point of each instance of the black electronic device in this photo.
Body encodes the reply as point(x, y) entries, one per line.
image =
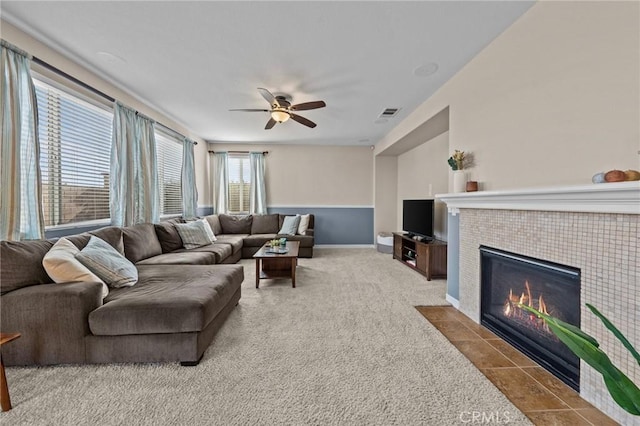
point(417, 218)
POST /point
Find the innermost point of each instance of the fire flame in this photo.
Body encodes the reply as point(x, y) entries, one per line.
point(512, 310)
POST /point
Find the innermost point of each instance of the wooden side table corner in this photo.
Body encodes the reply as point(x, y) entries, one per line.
point(5, 401)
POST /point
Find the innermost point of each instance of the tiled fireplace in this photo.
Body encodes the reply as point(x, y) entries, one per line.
point(594, 229)
point(509, 280)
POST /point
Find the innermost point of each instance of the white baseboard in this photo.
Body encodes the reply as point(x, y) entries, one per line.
point(454, 302)
point(344, 246)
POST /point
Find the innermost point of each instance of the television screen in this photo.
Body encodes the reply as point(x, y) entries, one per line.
point(417, 217)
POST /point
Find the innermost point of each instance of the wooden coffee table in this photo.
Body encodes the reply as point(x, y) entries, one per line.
point(5, 401)
point(272, 265)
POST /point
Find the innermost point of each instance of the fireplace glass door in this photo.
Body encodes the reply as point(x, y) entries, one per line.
point(509, 279)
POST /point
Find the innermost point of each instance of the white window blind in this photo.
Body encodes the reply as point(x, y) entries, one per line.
point(239, 182)
point(169, 152)
point(75, 150)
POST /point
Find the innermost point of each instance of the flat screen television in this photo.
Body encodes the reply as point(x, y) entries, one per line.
point(417, 218)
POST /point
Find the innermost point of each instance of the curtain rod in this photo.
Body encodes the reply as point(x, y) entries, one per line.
point(240, 152)
point(93, 89)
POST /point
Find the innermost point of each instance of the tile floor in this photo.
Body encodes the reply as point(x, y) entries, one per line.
point(543, 398)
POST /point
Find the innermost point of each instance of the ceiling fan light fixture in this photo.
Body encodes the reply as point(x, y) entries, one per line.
point(280, 115)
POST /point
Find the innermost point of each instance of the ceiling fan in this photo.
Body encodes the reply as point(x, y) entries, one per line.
point(282, 110)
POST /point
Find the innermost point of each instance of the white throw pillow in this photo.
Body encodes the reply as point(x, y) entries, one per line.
point(304, 224)
point(193, 234)
point(105, 261)
point(62, 266)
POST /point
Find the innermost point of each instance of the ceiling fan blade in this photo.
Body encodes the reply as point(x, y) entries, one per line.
point(308, 105)
point(270, 124)
point(250, 110)
point(302, 120)
point(268, 96)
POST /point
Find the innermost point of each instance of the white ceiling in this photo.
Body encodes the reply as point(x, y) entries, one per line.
point(194, 61)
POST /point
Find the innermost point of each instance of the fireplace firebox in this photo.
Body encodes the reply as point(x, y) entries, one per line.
point(509, 279)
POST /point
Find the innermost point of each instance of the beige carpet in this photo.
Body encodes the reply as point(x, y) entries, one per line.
point(345, 347)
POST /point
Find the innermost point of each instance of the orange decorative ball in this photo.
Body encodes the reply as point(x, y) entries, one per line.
point(614, 176)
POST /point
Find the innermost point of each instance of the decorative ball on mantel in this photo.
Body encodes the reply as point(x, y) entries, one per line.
point(614, 176)
point(631, 175)
point(598, 178)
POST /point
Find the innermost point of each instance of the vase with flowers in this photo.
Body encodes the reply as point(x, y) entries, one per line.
point(456, 162)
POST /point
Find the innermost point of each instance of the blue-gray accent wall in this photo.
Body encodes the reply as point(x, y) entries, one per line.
point(336, 225)
point(332, 225)
point(204, 211)
point(453, 256)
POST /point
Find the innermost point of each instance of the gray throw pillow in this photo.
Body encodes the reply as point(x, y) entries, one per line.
point(290, 225)
point(193, 234)
point(109, 265)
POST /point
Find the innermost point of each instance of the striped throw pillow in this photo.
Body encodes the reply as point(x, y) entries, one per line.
point(193, 234)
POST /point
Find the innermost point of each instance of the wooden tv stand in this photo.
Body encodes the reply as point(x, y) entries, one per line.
point(428, 258)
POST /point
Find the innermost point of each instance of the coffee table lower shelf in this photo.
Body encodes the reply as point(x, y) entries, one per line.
point(271, 266)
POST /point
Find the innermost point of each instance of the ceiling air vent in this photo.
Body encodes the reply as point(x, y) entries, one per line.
point(389, 112)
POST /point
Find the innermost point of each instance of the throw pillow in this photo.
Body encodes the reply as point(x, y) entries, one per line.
point(193, 234)
point(208, 230)
point(304, 224)
point(290, 225)
point(105, 261)
point(62, 266)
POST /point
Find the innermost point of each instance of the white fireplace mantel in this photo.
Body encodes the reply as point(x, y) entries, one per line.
point(620, 197)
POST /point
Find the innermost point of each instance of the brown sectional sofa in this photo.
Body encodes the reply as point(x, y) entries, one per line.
point(172, 313)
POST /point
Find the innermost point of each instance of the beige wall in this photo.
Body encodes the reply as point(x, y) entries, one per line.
point(422, 174)
point(551, 101)
point(27, 43)
point(386, 194)
point(314, 175)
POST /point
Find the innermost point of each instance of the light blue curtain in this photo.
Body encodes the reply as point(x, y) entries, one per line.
point(20, 194)
point(257, 187)
point(189, 190)
point(221, 183)
point(134, 196)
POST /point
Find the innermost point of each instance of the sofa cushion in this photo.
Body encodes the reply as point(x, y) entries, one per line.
point(22, 264)
point(105, 261)
point(63, 267)
point(258, 240)
point(264, 224)
point(290, 225)
point(140, 242)
point(187, 257)
point(235, 241)
point(220, 251)
point(168, 235)
point(168, 299)
point(305, 240)
point(110, 234)
point(214, 222)
point(193, 234)
point(234, 224)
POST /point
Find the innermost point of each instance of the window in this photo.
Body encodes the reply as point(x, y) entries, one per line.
point(239, 182)
point(75, 151)
point(169, 152)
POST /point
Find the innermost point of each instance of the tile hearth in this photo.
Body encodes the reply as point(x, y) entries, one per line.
point(537, 393)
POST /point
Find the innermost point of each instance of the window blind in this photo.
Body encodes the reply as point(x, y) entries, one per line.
point(169, 152)
point(239, 182)
point(75, 151)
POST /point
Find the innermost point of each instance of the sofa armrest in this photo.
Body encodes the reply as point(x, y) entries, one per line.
point(52, 320)
point(309, 232)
